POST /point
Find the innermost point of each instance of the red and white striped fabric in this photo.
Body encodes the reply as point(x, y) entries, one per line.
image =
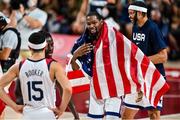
point(78, 81)
point(120, 68)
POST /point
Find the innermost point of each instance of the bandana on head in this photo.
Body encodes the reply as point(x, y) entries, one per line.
point(37, 46)
point(137, 8)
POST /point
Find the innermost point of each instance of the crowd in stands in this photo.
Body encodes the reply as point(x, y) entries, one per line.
point(62, 15)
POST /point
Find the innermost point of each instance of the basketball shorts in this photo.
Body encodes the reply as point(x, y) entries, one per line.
point(130, 102)
point(42, 113)
point(99, 108)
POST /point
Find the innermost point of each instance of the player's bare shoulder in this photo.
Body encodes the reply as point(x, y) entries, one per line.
point(56, 68)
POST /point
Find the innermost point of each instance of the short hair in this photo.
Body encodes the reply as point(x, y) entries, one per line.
point(139, 3)
point(99, 17)
point(37, 38)
point(47, 35)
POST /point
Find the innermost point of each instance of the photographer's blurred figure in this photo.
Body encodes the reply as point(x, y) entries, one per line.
point(10, 43)
point(27, 21)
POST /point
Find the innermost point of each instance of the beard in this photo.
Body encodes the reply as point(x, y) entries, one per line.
point(93, 36)
point(135, 19)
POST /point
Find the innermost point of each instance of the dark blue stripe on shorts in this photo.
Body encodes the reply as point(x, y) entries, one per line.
point(95, 116)
point(113, 114)
point(142, 108)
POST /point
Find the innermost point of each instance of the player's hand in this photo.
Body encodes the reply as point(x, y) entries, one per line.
point(57, 112)
point(140, 96)
point(19, 108)
point(83, 49)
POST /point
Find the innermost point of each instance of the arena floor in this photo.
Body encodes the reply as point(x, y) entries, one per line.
point(11, 115)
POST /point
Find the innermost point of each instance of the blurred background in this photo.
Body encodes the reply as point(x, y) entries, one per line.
point(66, 22)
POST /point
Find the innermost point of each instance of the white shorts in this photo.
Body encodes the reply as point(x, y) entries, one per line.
point(42, 113)
point(99, 108)
point(130, 102)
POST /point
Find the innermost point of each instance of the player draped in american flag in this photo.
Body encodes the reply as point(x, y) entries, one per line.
point(117, 66)
point(83, 50)
point(149, 39)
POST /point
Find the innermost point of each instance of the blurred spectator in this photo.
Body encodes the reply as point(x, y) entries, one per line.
point(52, 9)
point(60, 20)
point(28, 21)
point(78, 25)
point(174, 35)
point(157, 18)
point(10, 43)
point(109, 14)
point(5, 7)
point(123, 17)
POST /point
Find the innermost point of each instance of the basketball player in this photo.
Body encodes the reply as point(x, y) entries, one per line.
point(149, 39)
point(83, 51)
point(37, 75)
point(48, 54)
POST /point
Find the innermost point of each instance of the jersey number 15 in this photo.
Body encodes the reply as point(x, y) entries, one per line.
point(33, 86)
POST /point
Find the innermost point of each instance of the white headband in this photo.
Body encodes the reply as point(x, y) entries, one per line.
point(37, 46)
point(137, 8)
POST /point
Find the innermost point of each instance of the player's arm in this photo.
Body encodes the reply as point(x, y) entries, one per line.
point(66, 87)
point(82, 50)
point(6, 79)
point(4, 54)
point(71, 106)
point(160, 57)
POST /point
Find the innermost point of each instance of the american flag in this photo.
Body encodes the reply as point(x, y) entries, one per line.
point(120, 68)
point(79, 82)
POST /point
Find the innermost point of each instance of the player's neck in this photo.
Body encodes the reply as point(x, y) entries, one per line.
point(142, 21)
point(37, 55)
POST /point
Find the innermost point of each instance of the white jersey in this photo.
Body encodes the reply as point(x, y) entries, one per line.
point(38, 90)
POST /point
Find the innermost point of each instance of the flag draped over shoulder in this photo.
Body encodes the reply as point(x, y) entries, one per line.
point(85, 60)
point(79, 79)
point(120, 67)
